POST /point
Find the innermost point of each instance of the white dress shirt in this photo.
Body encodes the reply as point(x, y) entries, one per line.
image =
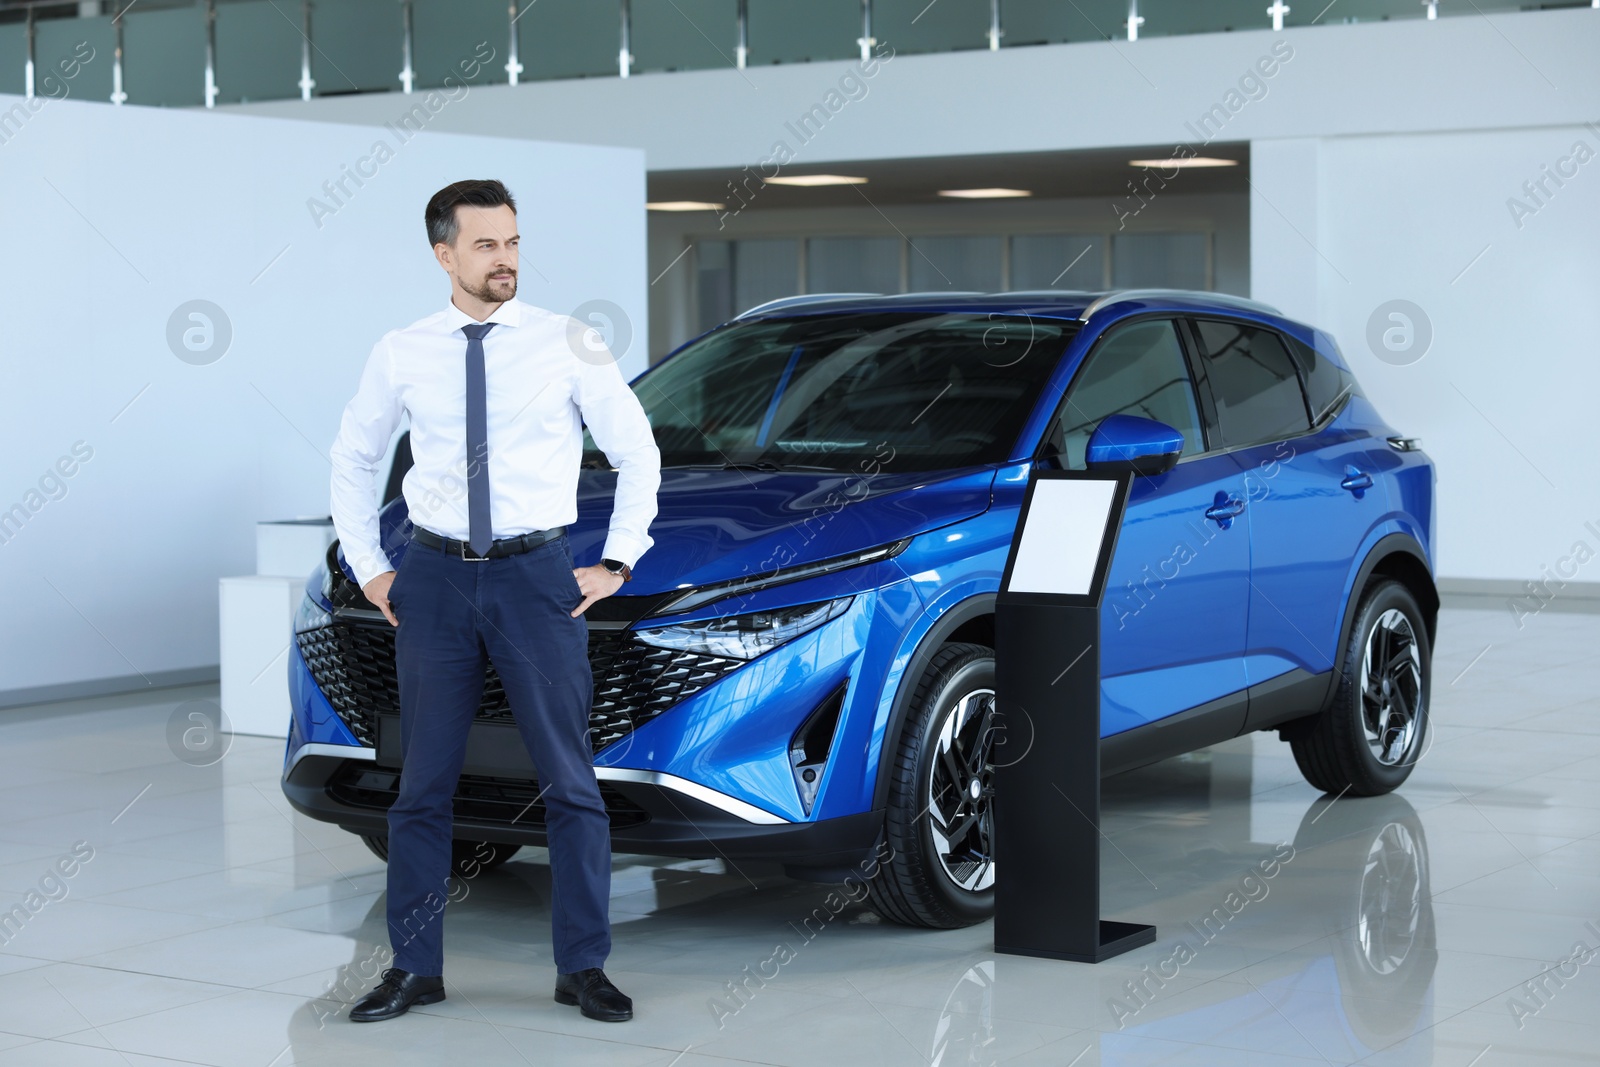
point(540, 394)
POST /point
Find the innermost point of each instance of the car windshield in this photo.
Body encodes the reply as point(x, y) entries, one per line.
point(902, 390)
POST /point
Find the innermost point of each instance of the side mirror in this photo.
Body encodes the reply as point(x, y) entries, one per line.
point(1128, 442)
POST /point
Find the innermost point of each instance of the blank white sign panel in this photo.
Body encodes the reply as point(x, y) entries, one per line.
point(1058, 548)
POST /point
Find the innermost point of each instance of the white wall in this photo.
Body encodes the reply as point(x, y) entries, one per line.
point(115, 217)
point(1504, 398)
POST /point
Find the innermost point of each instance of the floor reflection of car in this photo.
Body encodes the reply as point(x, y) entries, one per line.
point(802, 669)
point(1365, 987)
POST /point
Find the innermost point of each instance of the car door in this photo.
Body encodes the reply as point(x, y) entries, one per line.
point(1173, 621)
point(1313, 493)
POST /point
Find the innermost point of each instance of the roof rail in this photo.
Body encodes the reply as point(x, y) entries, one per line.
point(1116, 296)
point(921, 294)
point(1048, 292)
point(797, 301)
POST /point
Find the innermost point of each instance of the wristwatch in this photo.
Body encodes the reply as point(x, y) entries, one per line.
point(616, 566)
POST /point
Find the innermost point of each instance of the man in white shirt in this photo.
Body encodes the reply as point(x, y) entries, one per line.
point(497, 394)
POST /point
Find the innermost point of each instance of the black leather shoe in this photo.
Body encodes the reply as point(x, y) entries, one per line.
point(594, 995)
point(395, 995)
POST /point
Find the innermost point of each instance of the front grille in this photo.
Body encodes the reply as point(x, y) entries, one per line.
point(353, 664)
point(478, 797)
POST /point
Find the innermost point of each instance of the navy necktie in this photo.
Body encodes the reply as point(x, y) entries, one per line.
point(479, 533)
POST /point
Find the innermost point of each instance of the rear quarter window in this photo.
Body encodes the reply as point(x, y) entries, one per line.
point(1327, 383)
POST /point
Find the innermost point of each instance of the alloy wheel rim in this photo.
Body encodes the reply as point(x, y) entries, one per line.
point(1391, 688)
point(961, 791)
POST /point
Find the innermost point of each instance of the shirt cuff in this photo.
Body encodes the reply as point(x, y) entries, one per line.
point(624, 548)
point(367, 568)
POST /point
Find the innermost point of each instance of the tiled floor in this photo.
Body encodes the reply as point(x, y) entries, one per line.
point(211, 925)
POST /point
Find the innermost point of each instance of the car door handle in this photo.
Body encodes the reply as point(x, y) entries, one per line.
point(1355, 480)
point(1225, 509)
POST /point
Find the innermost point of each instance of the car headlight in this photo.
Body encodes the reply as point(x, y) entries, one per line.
point(310, 615)
point(700, 596)
point(744, 636)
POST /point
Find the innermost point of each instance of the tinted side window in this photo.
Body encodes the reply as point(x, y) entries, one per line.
point(1326, 382)
point(1254, 382)
point(1136, 369)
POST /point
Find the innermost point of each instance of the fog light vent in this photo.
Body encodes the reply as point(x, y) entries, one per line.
point(812, 743)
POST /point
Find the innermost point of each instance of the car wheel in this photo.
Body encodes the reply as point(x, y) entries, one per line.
point(939, 823)
point(1368, 741)
point(466, 857)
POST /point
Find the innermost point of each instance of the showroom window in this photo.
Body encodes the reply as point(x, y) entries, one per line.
point(1059, 261)
point(966, 261)
point(1254, 382)
point(853, 265)
point(1161, 261)
point(737, 275)
point(734, 276)
point(1137, 369)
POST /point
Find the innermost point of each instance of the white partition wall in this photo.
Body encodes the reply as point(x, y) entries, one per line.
point(1490, 237)
point(140, 445)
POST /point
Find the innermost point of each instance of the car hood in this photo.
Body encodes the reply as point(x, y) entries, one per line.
point(715, 525)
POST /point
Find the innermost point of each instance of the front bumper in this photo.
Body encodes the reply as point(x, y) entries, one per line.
point(651, 813)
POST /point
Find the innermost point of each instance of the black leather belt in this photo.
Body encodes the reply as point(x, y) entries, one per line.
point(509, 546)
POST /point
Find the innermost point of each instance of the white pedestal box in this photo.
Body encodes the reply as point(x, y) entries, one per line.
point(292, 547)
point(257, 612)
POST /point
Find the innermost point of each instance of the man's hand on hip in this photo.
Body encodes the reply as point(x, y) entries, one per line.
point(596, 582)
point(377, 592)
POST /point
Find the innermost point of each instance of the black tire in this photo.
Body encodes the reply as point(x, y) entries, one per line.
point(1367, 743)
point(466, 857)
point(915, 886)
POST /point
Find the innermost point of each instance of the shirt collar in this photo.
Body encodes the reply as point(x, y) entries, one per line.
point(507, 314)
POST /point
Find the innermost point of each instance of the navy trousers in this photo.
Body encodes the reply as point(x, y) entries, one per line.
point(455, 616)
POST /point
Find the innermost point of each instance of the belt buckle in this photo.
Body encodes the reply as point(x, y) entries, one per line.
point(470, 559)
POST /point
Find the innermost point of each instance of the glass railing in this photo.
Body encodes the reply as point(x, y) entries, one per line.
point(211, 52)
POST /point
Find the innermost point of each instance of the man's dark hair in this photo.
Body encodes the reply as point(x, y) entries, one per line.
point(440, 215)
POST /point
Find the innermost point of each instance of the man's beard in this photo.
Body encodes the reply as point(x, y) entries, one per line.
point(492, 292)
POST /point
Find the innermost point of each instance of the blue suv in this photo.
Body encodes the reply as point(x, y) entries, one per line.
point(802, 669)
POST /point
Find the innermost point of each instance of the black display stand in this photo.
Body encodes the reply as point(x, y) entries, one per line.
point(1047, 692)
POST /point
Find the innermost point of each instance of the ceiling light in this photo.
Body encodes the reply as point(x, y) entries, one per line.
point(1184, 161)
point(984, 194)
point(817, 179)
point(684, 205)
